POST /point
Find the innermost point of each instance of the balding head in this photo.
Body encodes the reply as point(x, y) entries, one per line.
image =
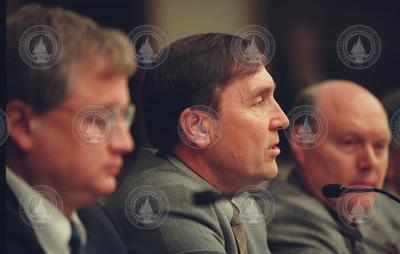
point(342, 96)
point(355, 150)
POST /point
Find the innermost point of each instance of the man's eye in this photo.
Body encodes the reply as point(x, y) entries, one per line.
point(260, 100)
point(380, 146)
point(348, 142)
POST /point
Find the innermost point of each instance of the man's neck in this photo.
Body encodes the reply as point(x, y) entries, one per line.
point(198, 163)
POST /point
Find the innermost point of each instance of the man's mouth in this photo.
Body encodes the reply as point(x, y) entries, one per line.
point(274, 150)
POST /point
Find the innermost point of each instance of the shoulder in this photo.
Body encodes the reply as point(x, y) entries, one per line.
point(154, 207)
point(301, 223)
point(383, 235)
point(152, 173)
point(20, 237)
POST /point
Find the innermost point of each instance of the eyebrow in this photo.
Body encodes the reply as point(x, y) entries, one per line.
point(262, 90)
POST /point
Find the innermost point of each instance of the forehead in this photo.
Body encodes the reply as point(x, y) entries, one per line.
point(361, 116)
point(98, 84)
point(250, 86)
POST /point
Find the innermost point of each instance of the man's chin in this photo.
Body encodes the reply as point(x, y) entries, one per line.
point(271, 171)
point(107, 187)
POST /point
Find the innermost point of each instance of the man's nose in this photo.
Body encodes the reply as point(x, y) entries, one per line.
point(121, 140)
point(367, 158)
point(279, 120)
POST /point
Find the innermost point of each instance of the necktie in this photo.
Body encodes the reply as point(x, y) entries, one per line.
point(75, 243)
point(358, 247)
point(356, 242)
point(238, 231)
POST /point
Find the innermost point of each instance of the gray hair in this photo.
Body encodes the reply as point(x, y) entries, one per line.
point(83, 40)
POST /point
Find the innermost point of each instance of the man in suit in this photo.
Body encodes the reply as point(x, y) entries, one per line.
point(69, 114)
point(214, 122)
point(353, 151)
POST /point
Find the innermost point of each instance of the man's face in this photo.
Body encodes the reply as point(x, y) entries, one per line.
point(81, 174)
point(355, 151)
point(250, 118)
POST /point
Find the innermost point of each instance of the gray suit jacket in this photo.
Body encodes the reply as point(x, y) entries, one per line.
point(303, 225)
point(184, 228)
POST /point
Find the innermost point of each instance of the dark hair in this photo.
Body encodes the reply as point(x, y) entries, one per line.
point(82, 40)
point(195, 72)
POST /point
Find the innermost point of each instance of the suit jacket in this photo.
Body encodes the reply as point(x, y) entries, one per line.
point(102, 237)
point(303, 225)
point(185, 228)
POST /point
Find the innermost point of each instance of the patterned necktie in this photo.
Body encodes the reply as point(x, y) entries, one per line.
point(238, 231)
point(75, 243)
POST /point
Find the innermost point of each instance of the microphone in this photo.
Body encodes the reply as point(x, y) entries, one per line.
point(333, 190)
point(336, 190)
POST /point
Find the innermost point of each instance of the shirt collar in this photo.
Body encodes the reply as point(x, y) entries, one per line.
point(51, 227)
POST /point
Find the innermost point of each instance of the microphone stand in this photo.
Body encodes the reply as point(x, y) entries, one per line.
point(390, 195)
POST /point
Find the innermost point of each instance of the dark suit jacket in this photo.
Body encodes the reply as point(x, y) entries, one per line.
point(101, 234)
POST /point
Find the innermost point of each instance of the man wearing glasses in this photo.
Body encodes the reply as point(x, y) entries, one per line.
point(69, 113)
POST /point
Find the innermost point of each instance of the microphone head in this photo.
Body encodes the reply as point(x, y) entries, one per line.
point(206, 197)
point(333, 190)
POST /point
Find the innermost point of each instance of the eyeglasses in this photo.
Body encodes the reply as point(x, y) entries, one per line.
point(127, 114)
point(107, 115)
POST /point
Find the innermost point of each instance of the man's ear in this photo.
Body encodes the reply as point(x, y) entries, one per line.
point(197, 128)
point(19, 119)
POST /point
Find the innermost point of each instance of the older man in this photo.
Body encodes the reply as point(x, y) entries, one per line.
point(68, 112)
point(353, 151)
point(215, 122)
